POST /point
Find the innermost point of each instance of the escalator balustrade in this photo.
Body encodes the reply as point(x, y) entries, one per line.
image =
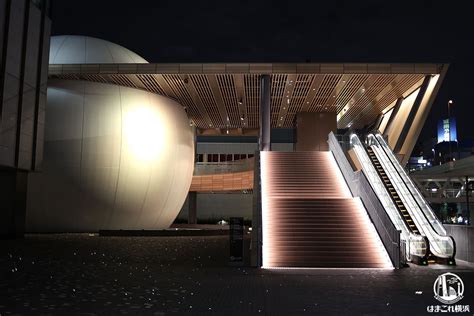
point(393, 193)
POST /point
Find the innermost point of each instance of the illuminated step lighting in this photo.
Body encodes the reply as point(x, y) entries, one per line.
point(309, 218)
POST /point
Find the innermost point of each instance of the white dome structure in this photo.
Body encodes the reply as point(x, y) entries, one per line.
point(114, 158)
point(74, 49)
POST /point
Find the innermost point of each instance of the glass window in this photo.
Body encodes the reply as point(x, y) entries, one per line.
point(236, 157)
point(229, 157)
point(222, 157)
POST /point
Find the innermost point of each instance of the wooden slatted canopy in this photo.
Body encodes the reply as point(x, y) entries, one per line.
point(222, 97)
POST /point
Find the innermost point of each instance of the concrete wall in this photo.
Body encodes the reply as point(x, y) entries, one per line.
point(24, 52)
point(464, 237)
point(219, 206)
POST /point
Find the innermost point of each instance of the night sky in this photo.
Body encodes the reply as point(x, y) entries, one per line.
point(291, 31)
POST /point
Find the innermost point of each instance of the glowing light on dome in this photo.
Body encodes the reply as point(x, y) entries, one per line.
point(144, 133)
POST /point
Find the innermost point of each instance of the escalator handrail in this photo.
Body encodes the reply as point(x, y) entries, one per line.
point(421, 195)
point(410, 234)
point(454, 245)
point(408, 231)
point(398, 173)
point(420, 209)
point(403, 219)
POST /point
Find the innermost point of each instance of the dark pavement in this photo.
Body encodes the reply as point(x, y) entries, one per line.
point(70, 274)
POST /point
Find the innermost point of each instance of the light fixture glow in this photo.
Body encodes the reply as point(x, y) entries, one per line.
point(264, 188)
point(144, 133)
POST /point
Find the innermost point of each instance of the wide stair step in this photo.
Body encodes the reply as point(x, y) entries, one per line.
point(309, 216)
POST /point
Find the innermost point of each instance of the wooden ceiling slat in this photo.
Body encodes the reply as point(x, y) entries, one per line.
point(369, 114)
point(354, 83)
point(242, 99)
point(219, 101)
point(302, 86)
point(328, 106)
point(252, 91)
point(285, 100)
point(368, 111)
point(150, 83)
point(368, 94)
point(160, 79)
point(198, 115)
point(325, 92)
point(187, 88)
point(312, 92)
point(230, 99)
point(208, 100)
point(226, 85)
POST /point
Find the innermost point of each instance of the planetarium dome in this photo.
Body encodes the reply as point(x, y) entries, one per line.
point(114, 157)
point(75, 49)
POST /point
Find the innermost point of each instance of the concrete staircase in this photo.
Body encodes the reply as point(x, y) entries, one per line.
point(310, 218)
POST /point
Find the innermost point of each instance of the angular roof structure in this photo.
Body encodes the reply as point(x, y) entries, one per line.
point(221, 96)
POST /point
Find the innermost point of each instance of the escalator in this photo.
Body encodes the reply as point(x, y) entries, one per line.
point(400, 206)
point(435, 222)
point(416, 246)
point(410, 202)
point(393, 193)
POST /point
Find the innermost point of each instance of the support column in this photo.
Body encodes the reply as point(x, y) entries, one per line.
point(192, 207)
point(392, 117)
point(264, 141)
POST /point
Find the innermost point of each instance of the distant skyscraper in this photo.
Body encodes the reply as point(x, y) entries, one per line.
point(447, 130)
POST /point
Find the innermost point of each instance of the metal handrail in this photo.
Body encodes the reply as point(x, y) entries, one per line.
point(384, 146)
point(388, 206)
point(432, 234)
point(359, 186)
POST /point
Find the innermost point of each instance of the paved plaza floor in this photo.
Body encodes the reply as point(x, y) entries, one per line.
point(70, 274)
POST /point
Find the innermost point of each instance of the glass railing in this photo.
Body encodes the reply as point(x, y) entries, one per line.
point(415, 244)
point(440, 245)
point(434, 221)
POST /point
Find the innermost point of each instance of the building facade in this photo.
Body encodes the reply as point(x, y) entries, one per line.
point(24, 46)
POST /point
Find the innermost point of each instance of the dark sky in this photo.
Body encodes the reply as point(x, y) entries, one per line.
point(291, 31)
